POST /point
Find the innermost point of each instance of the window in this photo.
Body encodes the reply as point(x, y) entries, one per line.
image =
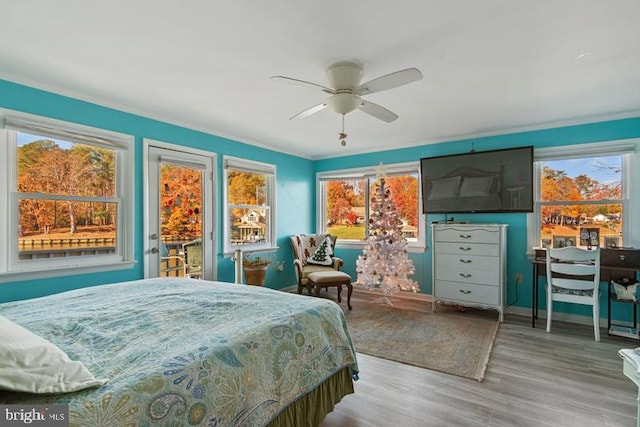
point(68, 196)
point(345, 200)
point(249, 192)
point(582, 196)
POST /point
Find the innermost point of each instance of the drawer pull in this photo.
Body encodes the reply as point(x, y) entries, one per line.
point(464, 249)
point(465, 274)
point(464, 291)
point(465, 236)
point(465, 261)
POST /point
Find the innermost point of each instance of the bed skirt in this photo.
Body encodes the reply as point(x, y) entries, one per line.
point(309, 410)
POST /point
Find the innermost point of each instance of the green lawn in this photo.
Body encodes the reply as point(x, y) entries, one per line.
point(354, 232)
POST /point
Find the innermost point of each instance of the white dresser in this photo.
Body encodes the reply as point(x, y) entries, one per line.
point(469, 265)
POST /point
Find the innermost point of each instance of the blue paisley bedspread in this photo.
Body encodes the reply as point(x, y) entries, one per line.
point(187, 352)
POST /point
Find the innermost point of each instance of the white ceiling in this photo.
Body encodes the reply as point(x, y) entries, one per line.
point(489, 66)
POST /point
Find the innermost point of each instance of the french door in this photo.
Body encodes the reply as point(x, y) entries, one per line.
point(179, 212)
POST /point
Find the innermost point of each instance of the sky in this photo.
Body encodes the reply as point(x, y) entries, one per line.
point(575, 167)
point(25, 138)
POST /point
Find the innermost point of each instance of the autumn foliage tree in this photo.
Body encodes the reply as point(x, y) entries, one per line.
point(81, 170)
point(342, 197)
point(557, 185)
point(180, 199)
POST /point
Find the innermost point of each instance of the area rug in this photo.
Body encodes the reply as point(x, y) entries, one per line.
point(451, 342)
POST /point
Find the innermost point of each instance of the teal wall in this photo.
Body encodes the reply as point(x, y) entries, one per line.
point(295, 212)
point(517, 231)
point(295, 184)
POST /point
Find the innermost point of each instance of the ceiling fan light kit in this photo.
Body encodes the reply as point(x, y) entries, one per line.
point(346, 91)
point(344, 103)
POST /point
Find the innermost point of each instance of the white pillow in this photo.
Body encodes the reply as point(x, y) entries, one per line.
point(29, 363)
point(322, 255)
point(444, 188)
point(476, 186)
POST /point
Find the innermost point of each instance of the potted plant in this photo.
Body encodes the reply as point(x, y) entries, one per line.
point(255, 269)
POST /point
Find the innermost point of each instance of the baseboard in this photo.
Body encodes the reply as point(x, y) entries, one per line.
point(519, 311)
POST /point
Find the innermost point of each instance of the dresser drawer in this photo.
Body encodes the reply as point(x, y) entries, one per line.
point(467, 248)
point(467, 262)
point(478, 294)
point(467, 275)
point(452, 233)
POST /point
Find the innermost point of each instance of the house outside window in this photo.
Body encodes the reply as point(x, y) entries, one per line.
point(249, 192)
point(345, 200)
point(582, 196)
point(69, 197)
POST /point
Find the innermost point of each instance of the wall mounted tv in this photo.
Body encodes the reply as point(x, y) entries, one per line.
point(478, 181)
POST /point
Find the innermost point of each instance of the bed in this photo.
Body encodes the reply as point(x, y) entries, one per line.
point(465, 189)
point(178, 351)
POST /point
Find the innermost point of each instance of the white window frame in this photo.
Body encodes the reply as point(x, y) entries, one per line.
point(368, 172)
point(244, 165)
point(13, 269)
point(630, 181)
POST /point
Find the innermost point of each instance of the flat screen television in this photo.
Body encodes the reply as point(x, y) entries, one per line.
point(478, 181)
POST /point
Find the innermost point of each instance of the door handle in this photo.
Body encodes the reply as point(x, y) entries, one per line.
point(155, 250)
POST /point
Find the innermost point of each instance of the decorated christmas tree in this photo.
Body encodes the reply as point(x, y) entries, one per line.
point(385, 263)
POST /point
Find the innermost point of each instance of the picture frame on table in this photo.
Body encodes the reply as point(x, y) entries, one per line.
point(589, 237)
point(563, 241)
point(611, 241)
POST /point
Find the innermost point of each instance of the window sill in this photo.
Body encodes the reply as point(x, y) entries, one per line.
point(252, 251)
point(18, 276)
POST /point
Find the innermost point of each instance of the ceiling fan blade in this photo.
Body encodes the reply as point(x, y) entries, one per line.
point(389, 81)
point(302, 83)
point(309, 111)
point(378, 111)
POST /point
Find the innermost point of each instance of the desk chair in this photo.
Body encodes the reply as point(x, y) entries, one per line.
point(573, 276)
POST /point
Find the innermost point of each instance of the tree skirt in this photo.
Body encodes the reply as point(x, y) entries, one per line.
point(447, 341)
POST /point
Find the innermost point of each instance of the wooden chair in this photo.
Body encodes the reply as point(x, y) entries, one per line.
point(303, 246)
point(573, 276)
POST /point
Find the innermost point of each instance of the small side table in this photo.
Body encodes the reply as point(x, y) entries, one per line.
point(630, 369)
point(324, 279)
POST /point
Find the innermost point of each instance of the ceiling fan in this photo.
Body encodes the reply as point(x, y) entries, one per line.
point(346, 91)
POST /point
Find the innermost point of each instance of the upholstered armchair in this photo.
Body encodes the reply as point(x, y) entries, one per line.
point(313, 252)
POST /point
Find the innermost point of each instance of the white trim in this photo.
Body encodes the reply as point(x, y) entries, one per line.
point(193, 125)
point(366, 173)
point(609, 148)
point(369, 171)
point(14, 269)
point(250, 166)
point(67, 131)
point(245, 165)
point(208, 162)
point(628, 148)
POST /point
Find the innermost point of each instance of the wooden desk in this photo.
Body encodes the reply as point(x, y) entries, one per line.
point(614, 264)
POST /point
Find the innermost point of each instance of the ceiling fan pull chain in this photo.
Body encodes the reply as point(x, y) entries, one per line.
point(342, 137)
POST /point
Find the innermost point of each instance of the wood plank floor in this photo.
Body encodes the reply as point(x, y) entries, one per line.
point(534, 378)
